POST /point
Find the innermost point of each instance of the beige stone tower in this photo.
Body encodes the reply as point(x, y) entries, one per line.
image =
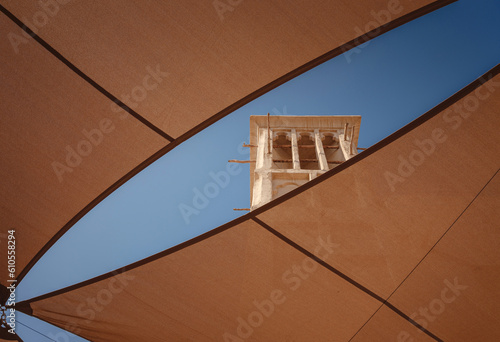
point(291, 150)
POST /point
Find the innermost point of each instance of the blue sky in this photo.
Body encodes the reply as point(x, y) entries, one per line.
point(389, 81)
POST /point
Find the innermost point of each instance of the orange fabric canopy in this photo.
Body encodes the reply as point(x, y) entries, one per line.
point(399, 242)
point(174, 66)
point(399, 239)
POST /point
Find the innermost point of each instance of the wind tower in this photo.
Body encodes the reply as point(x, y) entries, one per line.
point(289, 151)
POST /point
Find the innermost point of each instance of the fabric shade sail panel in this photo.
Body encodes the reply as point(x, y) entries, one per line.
point(205, 292)
point(463, 301)
point(62, 146)
point(417, 196)
point(177, 63)
point(367, 246)
point(389, 210)
point(209, 54)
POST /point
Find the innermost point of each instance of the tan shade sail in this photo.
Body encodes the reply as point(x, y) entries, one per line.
point(175, 64)
point(462, 302)
point(62, 146)
point(206, 291)
point(214, 52)
point(391, 207)
point(408, 225)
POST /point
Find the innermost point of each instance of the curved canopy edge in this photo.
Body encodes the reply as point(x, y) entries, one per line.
point(226, 111)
